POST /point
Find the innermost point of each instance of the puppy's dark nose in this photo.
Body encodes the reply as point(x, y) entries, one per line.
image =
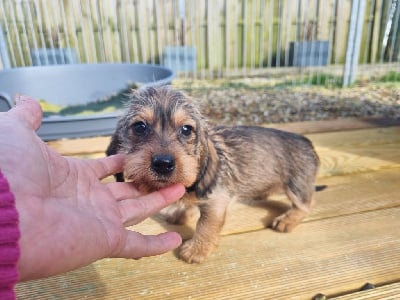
point(163, 164)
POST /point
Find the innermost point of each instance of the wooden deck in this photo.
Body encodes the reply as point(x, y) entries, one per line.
point(351, 238)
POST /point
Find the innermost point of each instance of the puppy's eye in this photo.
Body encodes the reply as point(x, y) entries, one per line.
point(140, 128)
point(186, 130)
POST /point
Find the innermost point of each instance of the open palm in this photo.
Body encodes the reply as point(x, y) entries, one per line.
point(68, 217)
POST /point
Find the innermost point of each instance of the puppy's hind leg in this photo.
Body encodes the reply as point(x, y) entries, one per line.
point(301, 197)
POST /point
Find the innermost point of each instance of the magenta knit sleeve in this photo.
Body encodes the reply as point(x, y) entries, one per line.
point(9, 236)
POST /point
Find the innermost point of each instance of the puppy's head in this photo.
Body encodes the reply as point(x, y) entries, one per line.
point(163, 137)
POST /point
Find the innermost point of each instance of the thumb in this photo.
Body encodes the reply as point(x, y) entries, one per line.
point(138, 245)
point(27, 110)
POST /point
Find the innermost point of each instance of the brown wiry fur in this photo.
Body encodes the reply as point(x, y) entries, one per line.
point(217, 165)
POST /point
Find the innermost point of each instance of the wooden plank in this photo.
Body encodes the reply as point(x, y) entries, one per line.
point(356, 138)
point(358, 159)
point(341, 153)
point(375, 32)
point(330, 256)
point(373, 149)
point(350, 238)
point(337, 162)
point(386, 292)
point(344, 195)
point(358, 150)
point(83, 146)
point(332, 139)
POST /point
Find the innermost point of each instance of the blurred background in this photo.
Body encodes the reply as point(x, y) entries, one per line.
point(206, 39)
point(247, 61)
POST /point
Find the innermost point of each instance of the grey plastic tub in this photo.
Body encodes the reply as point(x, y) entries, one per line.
point(78, 84)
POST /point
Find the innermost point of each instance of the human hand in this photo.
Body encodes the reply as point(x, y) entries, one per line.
point(68, 218)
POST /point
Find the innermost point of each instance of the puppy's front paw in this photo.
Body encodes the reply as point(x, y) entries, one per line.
point(195, 251)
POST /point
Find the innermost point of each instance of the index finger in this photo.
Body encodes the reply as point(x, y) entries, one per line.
point(107, 166)
point(134, 211)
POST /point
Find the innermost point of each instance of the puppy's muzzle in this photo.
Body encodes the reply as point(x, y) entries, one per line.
point(163, 164)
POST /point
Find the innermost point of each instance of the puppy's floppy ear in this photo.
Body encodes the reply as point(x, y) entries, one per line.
point(112, 149)
point(209, 167)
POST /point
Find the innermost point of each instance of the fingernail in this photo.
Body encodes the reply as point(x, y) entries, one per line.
point(19, 98)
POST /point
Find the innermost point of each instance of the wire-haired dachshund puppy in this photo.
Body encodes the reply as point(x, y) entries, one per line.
point(166, 140)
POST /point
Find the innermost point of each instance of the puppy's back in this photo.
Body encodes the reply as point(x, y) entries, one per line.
point(262, 158)
point(251, 138)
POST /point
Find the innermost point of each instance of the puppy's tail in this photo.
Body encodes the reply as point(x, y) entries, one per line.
point(321, 187)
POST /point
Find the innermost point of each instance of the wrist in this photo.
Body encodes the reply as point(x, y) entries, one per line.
point(9, 237)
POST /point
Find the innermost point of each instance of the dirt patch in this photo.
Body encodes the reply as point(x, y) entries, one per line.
point(258, 105)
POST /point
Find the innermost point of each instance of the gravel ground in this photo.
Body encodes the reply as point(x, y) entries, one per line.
point(260, 105)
